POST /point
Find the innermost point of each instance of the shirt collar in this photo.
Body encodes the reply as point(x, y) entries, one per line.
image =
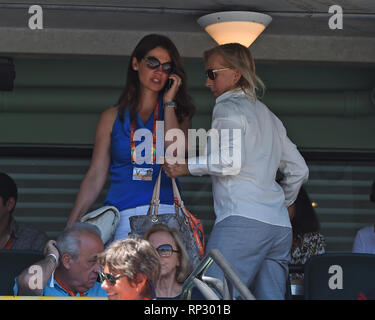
point(230, 93)
point(61, 287)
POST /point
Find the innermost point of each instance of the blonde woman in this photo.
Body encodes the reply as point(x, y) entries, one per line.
point(131, 267)
point(174, 260)
point(252, 228)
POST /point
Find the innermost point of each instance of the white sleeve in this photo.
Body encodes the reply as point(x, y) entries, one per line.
point(358, 245)
point(294, 169)
point(222, 154)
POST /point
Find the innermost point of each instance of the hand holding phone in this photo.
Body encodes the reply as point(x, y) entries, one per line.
point(169, 84)
point(171, 87)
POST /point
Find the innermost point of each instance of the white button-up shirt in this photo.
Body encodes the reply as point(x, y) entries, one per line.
point(243, 180)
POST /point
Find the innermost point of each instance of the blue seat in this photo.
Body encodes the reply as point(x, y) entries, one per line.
point(339, 276)
point(12, 263)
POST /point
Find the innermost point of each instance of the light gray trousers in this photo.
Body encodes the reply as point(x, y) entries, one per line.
point(259, 253)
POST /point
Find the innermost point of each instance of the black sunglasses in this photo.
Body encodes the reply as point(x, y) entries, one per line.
point(153, 63)
point(211, 73)
point(110, 278)
point(165, 250)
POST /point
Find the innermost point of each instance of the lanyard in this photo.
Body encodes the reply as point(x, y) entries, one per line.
point(10, 241)
point(71, 293)
point(132, 142)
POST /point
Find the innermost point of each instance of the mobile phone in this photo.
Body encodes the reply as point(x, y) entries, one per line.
point(168, 84)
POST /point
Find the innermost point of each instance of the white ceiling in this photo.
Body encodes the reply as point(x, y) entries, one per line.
point(299, 30)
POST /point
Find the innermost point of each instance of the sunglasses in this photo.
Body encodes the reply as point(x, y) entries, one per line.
point(110, 278)
point(153, 63)
point(211, 73)
point(165, 250)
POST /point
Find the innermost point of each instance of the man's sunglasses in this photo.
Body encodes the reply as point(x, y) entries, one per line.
point(153, 63)
point(110, 278)
point(165, 250)
point(211, 73)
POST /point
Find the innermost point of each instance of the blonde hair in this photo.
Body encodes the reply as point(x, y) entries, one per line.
point(132, 256)
point(184, 269)
point(239, 57)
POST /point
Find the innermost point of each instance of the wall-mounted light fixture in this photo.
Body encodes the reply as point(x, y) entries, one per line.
point(235, 26)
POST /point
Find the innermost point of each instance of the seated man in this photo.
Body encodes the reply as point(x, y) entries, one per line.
point(14, 235)
point(69, 268)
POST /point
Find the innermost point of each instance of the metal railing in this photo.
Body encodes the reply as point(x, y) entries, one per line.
point(211, 287)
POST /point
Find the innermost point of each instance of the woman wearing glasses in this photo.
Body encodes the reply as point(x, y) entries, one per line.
point(155, 91)
point(131, 267)
point(174, 260)
point(252, 228)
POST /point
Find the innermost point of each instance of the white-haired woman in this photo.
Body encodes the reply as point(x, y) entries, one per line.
point(252, 228)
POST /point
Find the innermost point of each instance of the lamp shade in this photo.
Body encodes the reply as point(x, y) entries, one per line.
point(235, 26)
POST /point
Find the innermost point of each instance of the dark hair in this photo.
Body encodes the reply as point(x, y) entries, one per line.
point(305, 219)
point(8, 188)
point(130, 95)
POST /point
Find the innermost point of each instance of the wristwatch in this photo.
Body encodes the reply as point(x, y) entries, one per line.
point(170, 104)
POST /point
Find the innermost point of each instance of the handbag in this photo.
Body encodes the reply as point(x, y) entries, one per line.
point(106, 219)
point(190, 228)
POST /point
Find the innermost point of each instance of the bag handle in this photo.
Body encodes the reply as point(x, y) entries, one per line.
point(155, 200)
point(190, 219)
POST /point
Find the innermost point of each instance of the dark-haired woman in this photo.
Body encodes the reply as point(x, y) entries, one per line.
point(307, 241)
point(146, 100)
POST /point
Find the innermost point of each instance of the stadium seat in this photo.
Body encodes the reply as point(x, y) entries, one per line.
point(12, 263)
point(339, 276)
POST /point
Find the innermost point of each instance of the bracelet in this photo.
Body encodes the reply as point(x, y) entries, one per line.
point(54, 256)
point(170, 104)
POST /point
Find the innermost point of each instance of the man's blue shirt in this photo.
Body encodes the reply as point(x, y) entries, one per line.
point(58, 291)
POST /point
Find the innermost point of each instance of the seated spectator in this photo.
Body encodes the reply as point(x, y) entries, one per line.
point(69, 268)
point(15, 235)
point(174, 260)
point(364, 241)
point(307, 241)
point(131, 267)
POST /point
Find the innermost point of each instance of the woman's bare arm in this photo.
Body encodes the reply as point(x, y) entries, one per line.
point(96, 175)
